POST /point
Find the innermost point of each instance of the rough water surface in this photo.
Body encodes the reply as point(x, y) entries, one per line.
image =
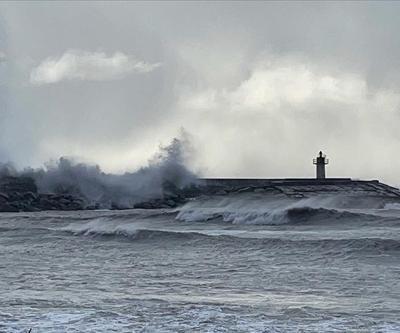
point(238, 263)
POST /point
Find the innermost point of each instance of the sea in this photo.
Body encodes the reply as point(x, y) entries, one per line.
point(229, 263)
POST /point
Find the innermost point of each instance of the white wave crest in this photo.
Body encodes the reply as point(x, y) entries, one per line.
point(267, 210)
point(392, 205)
point(240, 209)
point(103, 227)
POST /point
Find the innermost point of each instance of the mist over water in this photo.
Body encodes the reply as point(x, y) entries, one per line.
point(104, 189)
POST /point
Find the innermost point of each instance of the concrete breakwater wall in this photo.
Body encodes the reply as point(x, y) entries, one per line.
point(302, 186)
point(294, 188)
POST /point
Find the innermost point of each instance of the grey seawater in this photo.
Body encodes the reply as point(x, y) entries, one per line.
point(216, 265)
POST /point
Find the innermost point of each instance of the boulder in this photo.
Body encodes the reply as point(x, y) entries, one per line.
point(30, 196)
point(8, 208)
point(4, 197)
point(10, 184)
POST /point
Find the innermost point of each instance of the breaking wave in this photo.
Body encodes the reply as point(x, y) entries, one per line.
point(165, 172)
point(271, 217)
point(128, 231)
point(272, 211)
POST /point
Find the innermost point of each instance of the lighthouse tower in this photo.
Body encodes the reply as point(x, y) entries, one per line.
point(320, 162)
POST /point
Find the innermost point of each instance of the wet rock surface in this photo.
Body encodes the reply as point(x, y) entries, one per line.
point(20, 194)
point(172, 196)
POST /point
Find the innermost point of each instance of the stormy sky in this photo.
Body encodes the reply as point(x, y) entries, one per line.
point(259, 87)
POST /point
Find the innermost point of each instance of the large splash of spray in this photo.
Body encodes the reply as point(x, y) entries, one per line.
point(166, 171)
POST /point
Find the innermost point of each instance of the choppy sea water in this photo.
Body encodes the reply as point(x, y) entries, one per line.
point(226, 264)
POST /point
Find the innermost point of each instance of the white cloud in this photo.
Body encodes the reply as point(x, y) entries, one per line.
point(91, 66)
point(272, 122)
point(295, 85)
point(275, 85)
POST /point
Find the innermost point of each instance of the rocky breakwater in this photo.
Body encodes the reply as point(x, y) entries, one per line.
point(20, 194)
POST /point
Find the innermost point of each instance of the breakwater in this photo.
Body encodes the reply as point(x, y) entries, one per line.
point(21, 193)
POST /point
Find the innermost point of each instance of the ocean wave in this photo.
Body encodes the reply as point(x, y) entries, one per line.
point(287, 215)
point(247, 209)
point(392, 206)
point(130, 231)
point(251, 239)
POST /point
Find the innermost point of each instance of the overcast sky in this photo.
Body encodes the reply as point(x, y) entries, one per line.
point(260, 87)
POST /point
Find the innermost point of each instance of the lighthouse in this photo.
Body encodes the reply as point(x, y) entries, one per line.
point(320, 162)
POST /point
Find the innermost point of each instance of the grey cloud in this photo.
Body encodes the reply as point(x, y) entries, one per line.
point(261, 86)
point(91, 66)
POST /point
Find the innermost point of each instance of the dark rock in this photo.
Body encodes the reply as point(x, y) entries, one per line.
point(64, 201)
point(30, 196)
point(221, 192)
point(29, 208)
point(143, 205)
point(20, 194)
point(170, 203)
point(4, 197)
point(115, 206)
point(245, 189)
point(8, 208)
point(45, 203)
point(16, 196)
point(93, 206)
point(76, 205)
point(11, 184)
